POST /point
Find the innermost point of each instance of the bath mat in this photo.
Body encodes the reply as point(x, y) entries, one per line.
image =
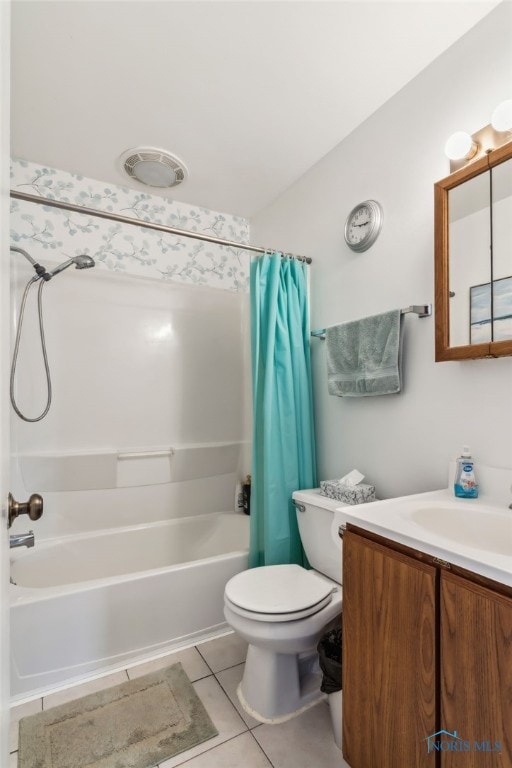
point(133, 725)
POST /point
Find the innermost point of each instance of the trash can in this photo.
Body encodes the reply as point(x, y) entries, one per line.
point(329, 652)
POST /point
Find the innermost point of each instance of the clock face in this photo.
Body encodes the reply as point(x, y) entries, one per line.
point(359, 225)
point(363, 225)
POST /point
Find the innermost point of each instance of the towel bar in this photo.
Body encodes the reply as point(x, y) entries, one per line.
point(422, 310)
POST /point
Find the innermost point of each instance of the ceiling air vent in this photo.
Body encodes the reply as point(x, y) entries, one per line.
point(153, 167)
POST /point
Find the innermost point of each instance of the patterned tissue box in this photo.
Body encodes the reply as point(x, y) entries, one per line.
point(348, 494)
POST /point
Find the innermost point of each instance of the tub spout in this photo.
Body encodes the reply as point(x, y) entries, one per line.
point(21, 540)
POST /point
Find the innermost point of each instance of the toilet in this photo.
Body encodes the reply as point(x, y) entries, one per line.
point(282, 611)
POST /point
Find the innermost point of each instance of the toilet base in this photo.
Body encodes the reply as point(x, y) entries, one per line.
point(276, 720)
point(276, 686)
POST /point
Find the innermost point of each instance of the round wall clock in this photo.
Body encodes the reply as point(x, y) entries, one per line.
point(363, 225)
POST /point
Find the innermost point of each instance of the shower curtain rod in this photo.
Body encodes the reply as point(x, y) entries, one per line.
point(148, 224)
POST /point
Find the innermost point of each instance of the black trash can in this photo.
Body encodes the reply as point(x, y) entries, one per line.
point(329, 653)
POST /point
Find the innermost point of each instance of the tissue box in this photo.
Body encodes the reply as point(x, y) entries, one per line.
point(348, 494)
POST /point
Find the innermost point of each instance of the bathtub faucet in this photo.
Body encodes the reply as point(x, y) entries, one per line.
point(21, 539)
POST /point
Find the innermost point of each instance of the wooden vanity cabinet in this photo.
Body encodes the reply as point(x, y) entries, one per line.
point(389, 656)
point(424, 649)
point(476, 671)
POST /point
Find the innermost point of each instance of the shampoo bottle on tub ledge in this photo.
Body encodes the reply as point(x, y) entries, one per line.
point(465, 486)
point(246, 495)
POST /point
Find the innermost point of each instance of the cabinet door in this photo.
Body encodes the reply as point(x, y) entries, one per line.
point(389, 656)
point(476, 673)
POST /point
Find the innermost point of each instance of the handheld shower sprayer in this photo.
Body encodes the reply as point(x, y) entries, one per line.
point(81, 262)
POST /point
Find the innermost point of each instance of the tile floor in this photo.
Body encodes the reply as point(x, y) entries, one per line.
point(216, 668)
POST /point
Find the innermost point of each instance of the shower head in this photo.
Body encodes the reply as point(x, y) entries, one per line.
point(81, 262)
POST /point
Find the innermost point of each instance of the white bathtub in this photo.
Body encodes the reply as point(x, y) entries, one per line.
point(92, 602)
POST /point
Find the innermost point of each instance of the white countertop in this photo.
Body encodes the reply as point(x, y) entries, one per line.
point(475, 534)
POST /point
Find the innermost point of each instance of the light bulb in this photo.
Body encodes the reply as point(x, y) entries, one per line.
point(460, 146)
point(501, 119)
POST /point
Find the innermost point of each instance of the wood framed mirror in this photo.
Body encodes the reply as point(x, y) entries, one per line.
point(473, 259)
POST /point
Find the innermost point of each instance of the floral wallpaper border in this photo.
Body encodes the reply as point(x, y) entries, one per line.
point(54, 234)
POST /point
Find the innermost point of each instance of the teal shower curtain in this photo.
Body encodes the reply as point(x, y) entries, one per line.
point(283, 434)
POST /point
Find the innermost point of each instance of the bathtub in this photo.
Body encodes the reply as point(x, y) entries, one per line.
point(94, 602)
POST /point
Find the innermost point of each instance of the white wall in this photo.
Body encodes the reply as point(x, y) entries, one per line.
point(403, 443)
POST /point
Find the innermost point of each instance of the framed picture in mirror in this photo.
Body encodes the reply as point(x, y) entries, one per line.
point(490, 314)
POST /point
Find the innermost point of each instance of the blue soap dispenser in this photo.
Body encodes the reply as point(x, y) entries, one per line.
point(465, 486)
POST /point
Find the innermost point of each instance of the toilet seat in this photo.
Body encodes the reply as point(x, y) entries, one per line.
point(271, 617)
point(278, 593)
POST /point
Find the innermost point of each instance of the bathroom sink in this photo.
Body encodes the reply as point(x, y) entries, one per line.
point(475, 534)
point(483, 527)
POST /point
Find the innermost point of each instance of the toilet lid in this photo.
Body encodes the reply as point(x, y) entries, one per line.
point(278, 589)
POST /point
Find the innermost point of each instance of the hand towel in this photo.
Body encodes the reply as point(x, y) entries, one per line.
point(364, 356)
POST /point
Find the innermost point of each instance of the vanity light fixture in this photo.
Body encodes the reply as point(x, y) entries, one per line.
point(460, 146)
point(501, 119)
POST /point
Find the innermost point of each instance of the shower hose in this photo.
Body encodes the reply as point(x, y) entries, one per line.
point(43, 348)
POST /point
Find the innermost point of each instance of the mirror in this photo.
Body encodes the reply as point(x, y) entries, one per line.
point(501, 177)
point(469, 248)
point(473, 259)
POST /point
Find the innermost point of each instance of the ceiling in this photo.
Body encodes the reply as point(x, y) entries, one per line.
point(248, 94)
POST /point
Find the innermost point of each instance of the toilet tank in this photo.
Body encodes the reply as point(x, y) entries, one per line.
point(318, 526)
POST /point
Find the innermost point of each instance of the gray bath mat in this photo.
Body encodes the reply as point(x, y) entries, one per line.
point(134, 725)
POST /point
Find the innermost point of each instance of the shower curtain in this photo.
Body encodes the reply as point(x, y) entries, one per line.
point(283, 434)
